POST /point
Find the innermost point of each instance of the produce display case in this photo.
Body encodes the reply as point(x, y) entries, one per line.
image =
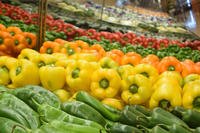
point(98, 66)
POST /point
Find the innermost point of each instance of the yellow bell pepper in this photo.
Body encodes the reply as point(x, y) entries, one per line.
point(39, 59)
point(45, 59)
point(64, 63)
point(191, 77)
point(166, 80)
point(105, 83)
point(191, 95)
point(4, 71)
point(62, 94)
point(147, 70)
point(113, 102)
point(79, 74)
point(136, 89)
point(24, 73)
point(91, 57)
point(48, 59)
point(173, 75)
point(30, 55)
point(11, 62)
point(4, 75)
point(60, 56)
point(125, 70)
point(7, 61)
point(107, 62)
point(52, 78)
point(166, 96)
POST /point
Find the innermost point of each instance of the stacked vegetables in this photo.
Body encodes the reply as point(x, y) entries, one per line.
point(113, 76)
point(79, 49)
point(13, 40)
point(167, 50)
point(49, 36)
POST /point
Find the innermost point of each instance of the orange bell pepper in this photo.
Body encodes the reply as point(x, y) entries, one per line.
point(4, 41)
point(2, 27)
point(70, 48)
point(19, 43)
point(169, 63)
point(131, 58)
point(14, 30)
point(99, 49)
point(188, 67)
point(116, 55)
point(50, 47)
point(30, 39)
point(60, 41)
point(81, 44)
point(150, 59)
point(197, 67)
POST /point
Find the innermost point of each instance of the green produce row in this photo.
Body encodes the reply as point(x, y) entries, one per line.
point(33, 109)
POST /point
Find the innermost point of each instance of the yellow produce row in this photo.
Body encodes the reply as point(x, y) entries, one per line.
point(114, 85)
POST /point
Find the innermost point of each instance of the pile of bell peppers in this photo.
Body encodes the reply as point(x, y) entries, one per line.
point(121, 58)
point(15, 36)
point(49, 36)
point(71, 31)
point(13, 40)
point(171, 50)
point(103, 74)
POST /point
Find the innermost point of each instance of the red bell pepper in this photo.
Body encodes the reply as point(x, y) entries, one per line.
point(138, 40)
point(5, 10)
point(56, 25)
point(91, 33)
point(119, 34)
point(150, 42)
point(104, 35)
point(79, 32)
point(49, 17)
point(97, 36)
point(16, 14)
point(26, 18)
point(69, 29)
point(196, 44)
point(163, 43)
point(114, 37)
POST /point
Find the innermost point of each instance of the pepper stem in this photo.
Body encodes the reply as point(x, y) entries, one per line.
point(18, 70)
point(29, 40)
point(16, 42)
point(104, 83)
point(12, 33)
point(49, 51)
point(133, 88)
point(75, 73)
point(41, 63)
point(1, 40)
point(5, 68)
point(171, 68)
point(165, 104)
point(106, 65)
point(145, 74)
point(196, 102)
point(70, 51)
